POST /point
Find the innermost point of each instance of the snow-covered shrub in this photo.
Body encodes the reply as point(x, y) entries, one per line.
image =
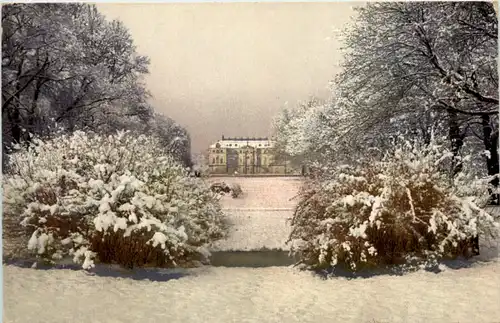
point(236, 190)
point(401, 208)
point(220, 188)
point(119, 199)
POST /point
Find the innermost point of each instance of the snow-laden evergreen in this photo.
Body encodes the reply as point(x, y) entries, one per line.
point(87, 195)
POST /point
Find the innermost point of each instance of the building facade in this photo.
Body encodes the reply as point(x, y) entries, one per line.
point(244, 156)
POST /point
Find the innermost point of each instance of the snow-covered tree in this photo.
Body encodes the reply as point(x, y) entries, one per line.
point(142, 118)
point(305, 133)
point(423, 67)
point(65, 64)
point(172, 136)
point(200, 164)
point(120, 198)
point(417, 69)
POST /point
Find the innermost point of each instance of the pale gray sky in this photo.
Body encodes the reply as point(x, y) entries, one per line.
point(228, 68)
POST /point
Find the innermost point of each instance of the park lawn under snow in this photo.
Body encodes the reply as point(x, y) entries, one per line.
point(272, 294)
point(260, 219)
point(262, 192)
point(256, 230)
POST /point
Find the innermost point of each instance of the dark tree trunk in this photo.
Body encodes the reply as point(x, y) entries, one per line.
point(15, 120)
point(456, 141)
point(426, 128)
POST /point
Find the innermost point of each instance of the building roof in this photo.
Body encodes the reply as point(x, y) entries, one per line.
point(242, 142)
point(245, 139)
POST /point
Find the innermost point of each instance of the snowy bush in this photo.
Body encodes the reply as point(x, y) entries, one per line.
point(117, 199)
point(220, 188)
point(236, 190)
point(402, 208)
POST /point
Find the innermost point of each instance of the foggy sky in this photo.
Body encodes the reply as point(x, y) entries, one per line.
point(228, 68)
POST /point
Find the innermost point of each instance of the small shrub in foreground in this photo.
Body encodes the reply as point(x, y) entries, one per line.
point(118, 199)
point(400, 209)
point(220, 188)
point(236, 190)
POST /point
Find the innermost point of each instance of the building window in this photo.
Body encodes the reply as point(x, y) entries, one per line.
point(213, 161)
point(235, 145)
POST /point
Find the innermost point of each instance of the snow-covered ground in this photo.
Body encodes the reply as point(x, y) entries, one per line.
point(256, 230)
point(273, 294)
point(260, 218)
point(262, 192)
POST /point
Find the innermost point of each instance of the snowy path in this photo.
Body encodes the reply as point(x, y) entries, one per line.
point(255, 230)
point(259, 219)
point(273, 294)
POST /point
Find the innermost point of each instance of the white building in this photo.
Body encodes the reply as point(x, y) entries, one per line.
point(243, 156)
